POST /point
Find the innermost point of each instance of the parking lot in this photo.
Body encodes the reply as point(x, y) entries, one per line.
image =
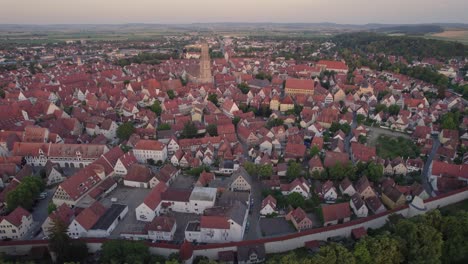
point(132, 197)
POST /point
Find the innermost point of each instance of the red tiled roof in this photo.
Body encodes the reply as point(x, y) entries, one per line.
point(300, 84)
point(149, 145)
point(451, 170)
point(16, 217)
point(214, 222)
point(331, 65)
point(336, 212)
point(153, 199)
point(161, 224)
point(89, 216)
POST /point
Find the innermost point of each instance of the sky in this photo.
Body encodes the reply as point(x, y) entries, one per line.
point(196, 11)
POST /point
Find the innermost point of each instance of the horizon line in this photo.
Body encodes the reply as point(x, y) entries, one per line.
point(226, 22)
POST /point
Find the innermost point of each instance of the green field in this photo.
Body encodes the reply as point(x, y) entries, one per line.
point(390, 147)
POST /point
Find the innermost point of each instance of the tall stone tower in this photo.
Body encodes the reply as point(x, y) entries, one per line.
point(205, 65)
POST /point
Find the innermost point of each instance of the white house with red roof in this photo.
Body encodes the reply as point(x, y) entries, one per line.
point(224, 227)
point(268, 206)
point(299, 219)
point(84, 221)
point(336, 214)
point(161, 228)
point(16, 224)
point(97, 221)
point(151, 206)
point(299, 185)
point(172, 145)
point(123, 163)
point(145, 150)
point(229, 107)
point(327, 191)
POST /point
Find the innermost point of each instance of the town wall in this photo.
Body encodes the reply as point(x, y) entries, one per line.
point(272, 245)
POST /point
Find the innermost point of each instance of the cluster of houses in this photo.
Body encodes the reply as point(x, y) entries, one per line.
point(65, 119)
point(365, 198)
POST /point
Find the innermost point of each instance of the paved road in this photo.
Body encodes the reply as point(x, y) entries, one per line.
point(428, 167)
point(350, 135)
point(254, 231)
point(39, 215)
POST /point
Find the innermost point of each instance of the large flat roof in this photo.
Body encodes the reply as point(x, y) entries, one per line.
point(203, 194)
point(109, 217)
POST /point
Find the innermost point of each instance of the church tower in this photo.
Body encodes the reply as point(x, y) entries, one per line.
point(205, 65)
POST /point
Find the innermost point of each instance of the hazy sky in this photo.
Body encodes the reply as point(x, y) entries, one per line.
point(191, 11)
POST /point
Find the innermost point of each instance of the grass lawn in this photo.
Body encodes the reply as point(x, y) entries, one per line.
point(389, 147)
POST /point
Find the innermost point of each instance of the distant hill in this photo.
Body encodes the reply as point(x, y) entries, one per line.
point(411, 29)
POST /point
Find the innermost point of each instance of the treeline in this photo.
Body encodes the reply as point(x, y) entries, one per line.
point(412, 29)
point(145, 58)
point(408, 47)
point(429, 238)
point(381, 63)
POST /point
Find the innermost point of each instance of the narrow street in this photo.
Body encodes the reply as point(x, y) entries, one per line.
point(349, 136)
point(428, 166)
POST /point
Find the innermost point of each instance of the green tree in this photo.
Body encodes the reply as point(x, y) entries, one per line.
point(380, 107)
point(382, 249)
point(421, 243)
point(51, 207)
point(123, 251)
point(190, 130)
point(250, 167)
point(360, 118)
point(394, 110)
point(60, 243)
point(274, 122)
point(235, 121)
point(171, 94)
point(294, 170)
point(125, 130)
point(59, 240)
point(212, 130)
point(164, 126)
point(156, 107)
point(25, 194)
point(295, 200)
point(334, 254)
point(314, 150)
point(374, 171)
point(244, 87)
point(455, 233)
point(265, 171)
point(213, 98)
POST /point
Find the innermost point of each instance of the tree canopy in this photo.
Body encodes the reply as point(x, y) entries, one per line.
point(190, 130)
point(156, 107)
point(125, 130)
point(25, 194)
point(123, 251)
point(294, 170)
